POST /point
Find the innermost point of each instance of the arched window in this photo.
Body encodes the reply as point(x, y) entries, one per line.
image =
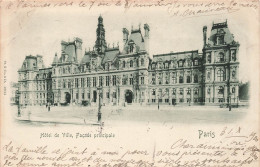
point(142, 62)
point(123, 64)
point(234, 74)
point(220, 75)
point(181, 79)
point(233, 90)
point(196, 79)
point(131, 63)
point(181, 91)
point(220, 90)
point(188, 79)
point(208, 90)
point(173, 91)
point(221, 57)
point(208, 75)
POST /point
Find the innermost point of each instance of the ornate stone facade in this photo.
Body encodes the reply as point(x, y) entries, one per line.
point(131, 75)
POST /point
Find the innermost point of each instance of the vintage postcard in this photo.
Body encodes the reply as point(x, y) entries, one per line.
point(118, 83)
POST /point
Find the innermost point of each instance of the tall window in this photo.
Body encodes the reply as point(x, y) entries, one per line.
point(82, 82)
point(181, 79)
point(174, 92)
point(220, 75)
point(124, 80)
point(137, 62)
point(114, 80)
point(100, 81)
point(94, 81)
point(153, 79)
point(76, 82)
point(142, 80)
point(188, 79)
point(131, 81)
point(209, 58)
point(233, 55)
point(88, 82)
point(174, 80)
point(131, 63)
point(208, 75)
point(107, 80)
point(160, 78)
point(123, 64)
point(196, 79)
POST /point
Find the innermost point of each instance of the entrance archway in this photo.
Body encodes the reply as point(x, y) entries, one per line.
point(67, 97)
point(128, 96)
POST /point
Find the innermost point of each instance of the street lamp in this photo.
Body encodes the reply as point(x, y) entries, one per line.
point(99, 104)
point(158, 103)
point(230, 107)
point(18, 103)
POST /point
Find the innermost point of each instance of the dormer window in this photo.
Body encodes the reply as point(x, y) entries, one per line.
point(220, 40)
point(220, 57)
point(180, 63)
point(131, 48)
point(166, 65)
point(196, 62)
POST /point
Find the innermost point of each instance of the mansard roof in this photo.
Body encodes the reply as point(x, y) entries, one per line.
point(110, 54)
point(219, 29)
point(135, 37)
point(176, 56)
point(86, 58)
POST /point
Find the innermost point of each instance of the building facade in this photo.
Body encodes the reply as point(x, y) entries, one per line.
point(132, 75)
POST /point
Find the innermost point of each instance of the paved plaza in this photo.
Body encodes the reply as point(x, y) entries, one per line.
point(80, 115)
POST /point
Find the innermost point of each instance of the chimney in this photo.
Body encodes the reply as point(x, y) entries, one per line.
point(204, 36)
point(125, 35)
point(146, 30)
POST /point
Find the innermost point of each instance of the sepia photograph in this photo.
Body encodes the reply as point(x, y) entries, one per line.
point(128, 83)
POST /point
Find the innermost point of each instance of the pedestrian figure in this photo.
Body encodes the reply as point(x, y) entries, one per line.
point(49, 106)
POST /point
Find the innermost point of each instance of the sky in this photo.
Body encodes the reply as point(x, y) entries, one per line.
point(41, 31)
